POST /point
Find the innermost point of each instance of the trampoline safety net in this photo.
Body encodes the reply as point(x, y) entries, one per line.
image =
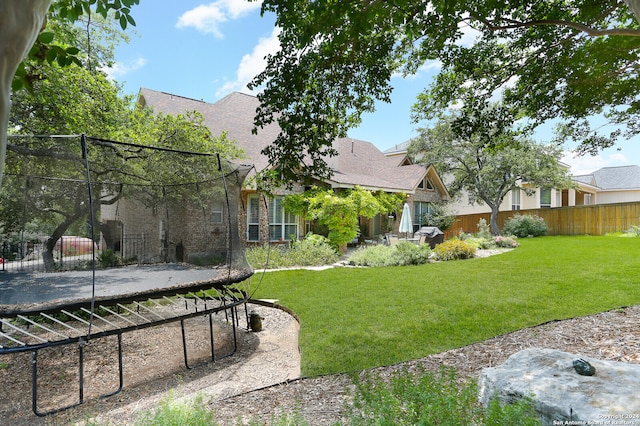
point(111, 233)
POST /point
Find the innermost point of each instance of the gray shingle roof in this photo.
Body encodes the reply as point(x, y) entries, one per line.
point(361, 163)
point(610, 178)
point(358, 162)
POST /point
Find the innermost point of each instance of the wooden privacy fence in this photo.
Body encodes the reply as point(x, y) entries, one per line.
point(575, 220)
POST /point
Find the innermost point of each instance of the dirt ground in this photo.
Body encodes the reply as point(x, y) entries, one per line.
point(262, 379)
point(154, 367)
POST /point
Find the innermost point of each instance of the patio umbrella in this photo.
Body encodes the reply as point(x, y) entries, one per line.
point(406, 225)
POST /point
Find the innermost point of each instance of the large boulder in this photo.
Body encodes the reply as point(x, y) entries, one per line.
point(561, 395)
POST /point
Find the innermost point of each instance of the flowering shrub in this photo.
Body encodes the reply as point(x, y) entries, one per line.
point(508, 242)
point(523, 226)
point(454, 249)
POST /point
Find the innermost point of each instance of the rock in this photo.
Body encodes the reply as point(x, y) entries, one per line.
point(561, 395)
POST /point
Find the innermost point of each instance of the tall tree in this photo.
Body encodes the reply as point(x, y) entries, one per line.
point(554, 59)
point(489, 161)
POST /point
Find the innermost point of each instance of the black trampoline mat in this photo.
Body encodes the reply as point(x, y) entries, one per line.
point(28, 293)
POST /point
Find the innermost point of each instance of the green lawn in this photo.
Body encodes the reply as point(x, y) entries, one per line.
point(356, 318)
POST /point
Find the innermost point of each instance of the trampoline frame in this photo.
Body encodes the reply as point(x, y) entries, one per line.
point(228, 300)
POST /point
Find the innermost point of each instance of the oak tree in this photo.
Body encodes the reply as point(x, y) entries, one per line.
point(490, 161)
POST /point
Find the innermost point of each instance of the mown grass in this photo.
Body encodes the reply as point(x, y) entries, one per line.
point(356, 318)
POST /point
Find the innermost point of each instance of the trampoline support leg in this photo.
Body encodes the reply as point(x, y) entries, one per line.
point(34, 379)
point(120, 370)
point(184, 343)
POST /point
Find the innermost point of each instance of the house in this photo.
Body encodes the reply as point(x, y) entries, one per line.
point(358, 163)
point(613, 184)
point(584, 193)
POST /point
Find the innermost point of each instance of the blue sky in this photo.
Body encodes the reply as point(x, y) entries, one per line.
point(205, 50)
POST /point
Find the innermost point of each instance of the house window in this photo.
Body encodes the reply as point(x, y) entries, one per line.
point(587, 199)
point(545, 197)
point(282, 224)
point(253, 218)
point(425, 184)
point(515, 199)
point(420, 212)
point(217, 212)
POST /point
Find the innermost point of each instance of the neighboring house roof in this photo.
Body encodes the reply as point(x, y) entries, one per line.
point(357, 163)
point(613, 178)
point(398, 149)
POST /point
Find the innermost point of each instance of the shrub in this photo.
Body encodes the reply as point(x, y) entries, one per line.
point(313, 250)
point(484, 230)
point(371, 256)
point(108, 258)
point(402, 254)
point(425, 398)
point(634, 231)
point(507, 242)
point(407, 253)
point(481, 243)
point(171, 412)
point(523, 226)
point(454, 249)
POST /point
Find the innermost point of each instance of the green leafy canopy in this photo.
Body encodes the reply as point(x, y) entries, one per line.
point(545, 60)
point(74, 45)
point(340, 211)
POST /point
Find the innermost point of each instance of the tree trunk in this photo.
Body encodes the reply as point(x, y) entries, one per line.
point(58, 232)
point(494, 220)
point(47, 254)
point(20, 23)
point(634, 6)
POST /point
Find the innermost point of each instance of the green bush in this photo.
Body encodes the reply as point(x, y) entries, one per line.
point(454, 249)
point(313, 250)
point(407, 253)
point(481, 243)
point(484, 230)
point(402, 254)
point(108, 258)
point(170, 412)
point(425, 398)
point(634, 231)
point(523, 226)
point(371, 256)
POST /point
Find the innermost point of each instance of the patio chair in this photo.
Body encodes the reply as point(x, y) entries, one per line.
point(392, 239)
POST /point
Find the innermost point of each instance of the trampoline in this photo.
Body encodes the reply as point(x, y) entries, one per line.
point(181, 208)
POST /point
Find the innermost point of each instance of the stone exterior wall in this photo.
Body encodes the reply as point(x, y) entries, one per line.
point(168, 233)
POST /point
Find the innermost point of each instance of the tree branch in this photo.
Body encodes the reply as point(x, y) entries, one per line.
point(513, 24)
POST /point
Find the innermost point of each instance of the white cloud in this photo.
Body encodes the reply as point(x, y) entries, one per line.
point(207, 18)
point(469, 34)
point(252, 64)
point(120, 69)
point(583, 165)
